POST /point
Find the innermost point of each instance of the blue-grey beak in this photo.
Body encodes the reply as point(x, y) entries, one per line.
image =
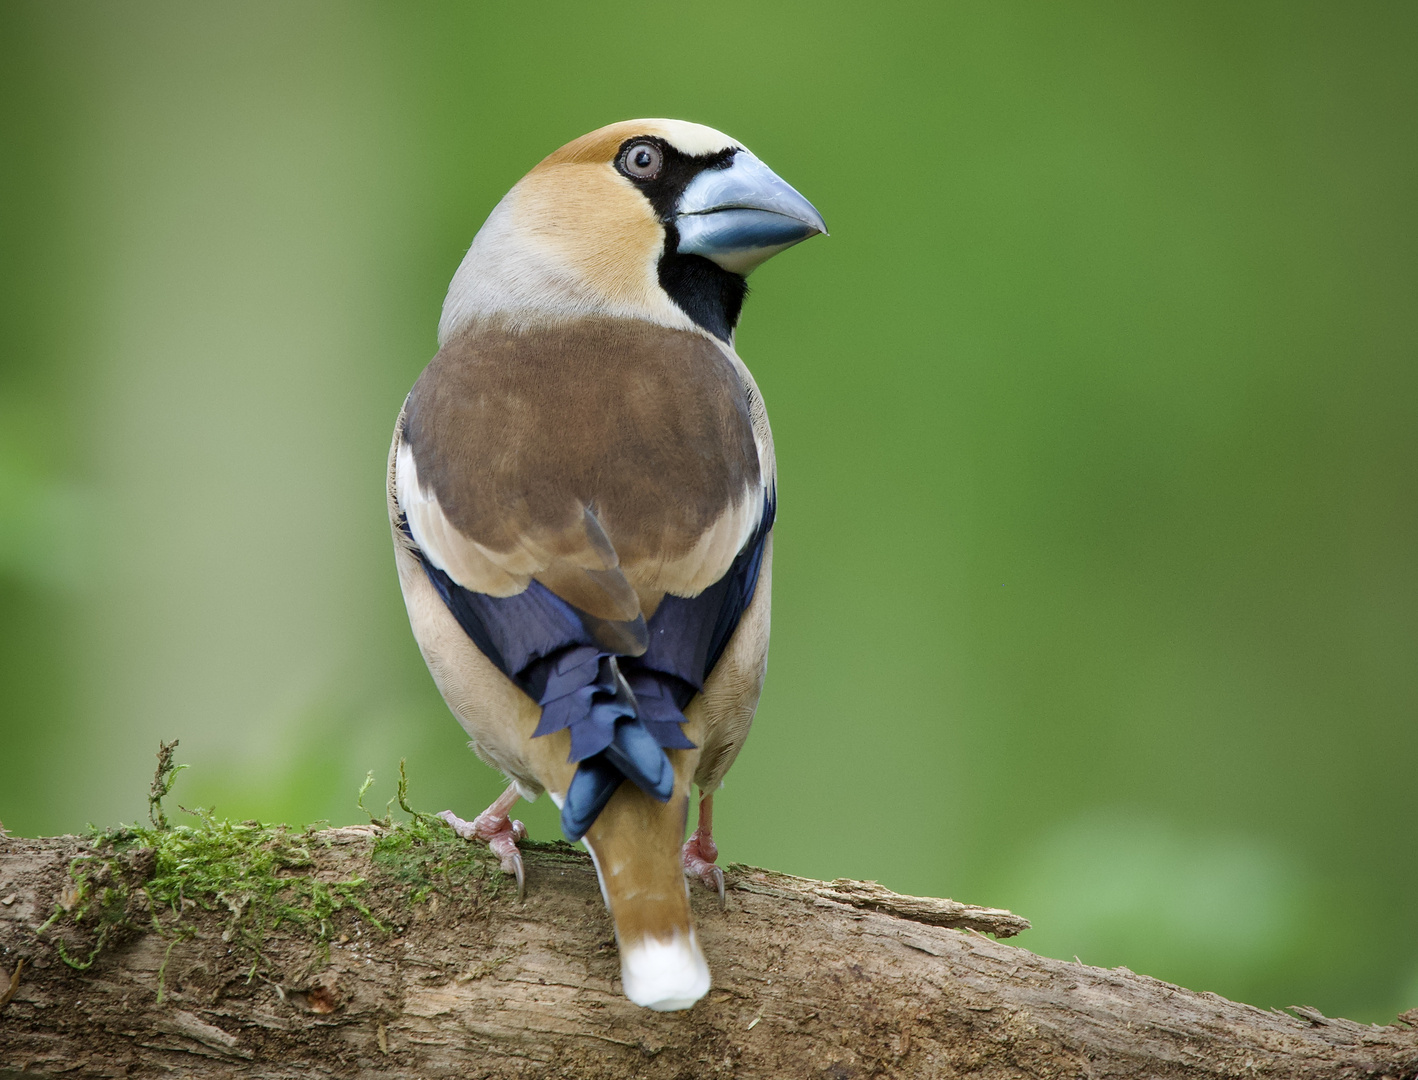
point(742, 215)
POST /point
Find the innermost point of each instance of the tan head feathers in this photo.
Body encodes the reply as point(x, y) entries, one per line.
point(655, 220)
point(602, 145)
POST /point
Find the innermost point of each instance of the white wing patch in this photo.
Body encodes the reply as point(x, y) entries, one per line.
point(578, 566)
point(706, 562)
point(467, 562)
point(497, 573)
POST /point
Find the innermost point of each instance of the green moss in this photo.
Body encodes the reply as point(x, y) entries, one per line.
point(425, 856)
point(424, 853)
point(163, 779)
point(258, 877)
point(422, 856)
point(251, 871)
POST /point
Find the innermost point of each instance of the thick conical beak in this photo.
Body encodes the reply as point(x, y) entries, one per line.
point(742, 215)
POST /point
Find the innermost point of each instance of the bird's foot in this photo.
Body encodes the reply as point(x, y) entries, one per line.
point(699, 853)
point(501, 834)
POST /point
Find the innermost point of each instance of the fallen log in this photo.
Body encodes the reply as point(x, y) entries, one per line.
point(399, 951)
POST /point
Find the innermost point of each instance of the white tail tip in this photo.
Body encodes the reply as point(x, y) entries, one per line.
point(664, 975)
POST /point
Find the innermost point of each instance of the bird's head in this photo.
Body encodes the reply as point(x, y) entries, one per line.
point(659, 220)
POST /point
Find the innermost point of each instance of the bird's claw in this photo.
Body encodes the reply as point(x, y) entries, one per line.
point(501, 835)
point(718, 885)
point(698, 854)
point(512, 864)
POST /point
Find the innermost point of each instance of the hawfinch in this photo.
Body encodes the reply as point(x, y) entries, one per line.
point(582, 490)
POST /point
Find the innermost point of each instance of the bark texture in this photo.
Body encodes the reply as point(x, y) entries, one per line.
point(811, 979)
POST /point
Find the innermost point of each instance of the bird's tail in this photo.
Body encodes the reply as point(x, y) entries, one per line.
point(618, 733)
point(635, 843)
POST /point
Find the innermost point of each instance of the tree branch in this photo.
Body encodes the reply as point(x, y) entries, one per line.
point(811, 979)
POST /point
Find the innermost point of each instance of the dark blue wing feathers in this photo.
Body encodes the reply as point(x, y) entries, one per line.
point(511, 631)
point(688, 634)
point(623, 711)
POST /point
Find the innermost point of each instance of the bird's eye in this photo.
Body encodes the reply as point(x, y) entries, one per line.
point(642, 161)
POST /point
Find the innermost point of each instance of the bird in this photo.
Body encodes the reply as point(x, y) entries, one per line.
point(582, 490)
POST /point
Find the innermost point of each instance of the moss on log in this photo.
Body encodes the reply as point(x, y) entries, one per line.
point(398, 950)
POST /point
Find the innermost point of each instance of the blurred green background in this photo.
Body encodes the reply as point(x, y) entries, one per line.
point(1096, 581)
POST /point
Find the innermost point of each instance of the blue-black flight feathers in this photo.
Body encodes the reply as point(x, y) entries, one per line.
point(622, 709)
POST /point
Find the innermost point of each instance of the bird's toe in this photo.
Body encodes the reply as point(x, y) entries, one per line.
point(466, 830)
point(698, 855)
point(501, 834)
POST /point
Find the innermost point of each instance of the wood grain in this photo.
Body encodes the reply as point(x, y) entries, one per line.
point(835, 979)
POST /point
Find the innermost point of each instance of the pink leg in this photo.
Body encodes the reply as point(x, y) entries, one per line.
point(500, 832)
point(700, 851)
